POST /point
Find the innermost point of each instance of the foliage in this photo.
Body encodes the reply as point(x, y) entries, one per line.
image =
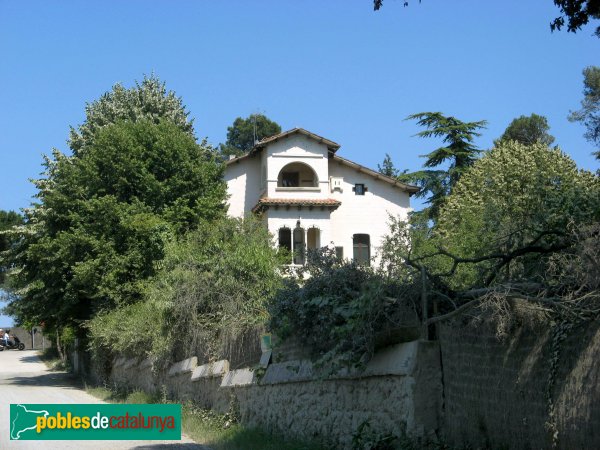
point(365, 438)
point(148, 100)
point(244, 133)
point(212, 286)
point(589, 114)
point(576, 12)
point(338, 311)
point(459, 152)
point(8, 219)
point(518, 203)
point(105, 216)
point(387, 168)
point(527, 130)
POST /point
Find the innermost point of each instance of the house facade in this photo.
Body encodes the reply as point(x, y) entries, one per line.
point(310, 197)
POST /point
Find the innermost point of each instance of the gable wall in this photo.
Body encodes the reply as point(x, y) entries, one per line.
point(243, 185)
point(367, 213)
point(296, 148)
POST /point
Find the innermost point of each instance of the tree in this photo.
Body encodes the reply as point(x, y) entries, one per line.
point(148, 100)
point(213, 286)
point(576, 12)
point(104, 215)
point(388, 168)
point(8, 219)
point(589, 114)
point(459, 152)
point(527, 130)
point(244, 133)
point(515, 205)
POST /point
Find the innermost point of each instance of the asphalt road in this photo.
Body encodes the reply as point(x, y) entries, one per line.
point(25, 379)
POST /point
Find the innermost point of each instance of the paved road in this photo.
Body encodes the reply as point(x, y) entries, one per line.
point(25, 379)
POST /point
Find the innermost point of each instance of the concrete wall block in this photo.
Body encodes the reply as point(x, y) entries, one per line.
point(239, 377)
point(216, 369)
point(185, 366)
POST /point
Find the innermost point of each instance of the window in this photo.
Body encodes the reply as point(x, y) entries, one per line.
point(362, 248)
point(359, 189)
point(297, 175)
point(290, 179)
point(299, 251)
point(285, 239)
point(339, 252)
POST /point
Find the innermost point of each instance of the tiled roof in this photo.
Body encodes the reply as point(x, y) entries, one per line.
point(265, 202)
point(332, 146)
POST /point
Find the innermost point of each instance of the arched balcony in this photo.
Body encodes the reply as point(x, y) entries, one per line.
point(297, 175)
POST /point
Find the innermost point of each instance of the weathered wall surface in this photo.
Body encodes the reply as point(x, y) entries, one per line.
point(495, 392)
point(38, 341)
point(399, 391)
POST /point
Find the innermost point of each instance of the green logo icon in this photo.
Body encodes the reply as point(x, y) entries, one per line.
point(95, 422)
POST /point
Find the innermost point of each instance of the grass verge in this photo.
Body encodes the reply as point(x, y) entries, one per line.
point(50, 357)
point(218, 431)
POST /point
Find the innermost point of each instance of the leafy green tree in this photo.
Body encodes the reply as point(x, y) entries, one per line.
point(527, 130)
point(576, 12)
point(244, 133)
point(213, 287)
point(147, 100)
point(8, 219)
point(515, 205)
point(105, 215)
point(589, 114)
point(459, 152)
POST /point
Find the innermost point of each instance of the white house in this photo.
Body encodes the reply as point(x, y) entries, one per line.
point(310, 197)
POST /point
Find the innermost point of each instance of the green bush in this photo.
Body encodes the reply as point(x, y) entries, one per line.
point(339, 310)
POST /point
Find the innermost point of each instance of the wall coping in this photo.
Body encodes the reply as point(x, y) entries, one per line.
point(211, 370)
point(185, 366)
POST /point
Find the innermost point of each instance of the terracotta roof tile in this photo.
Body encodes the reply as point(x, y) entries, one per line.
point(265, 202)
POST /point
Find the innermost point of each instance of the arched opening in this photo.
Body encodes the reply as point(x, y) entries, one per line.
point(285, 239)
point(297, 175)
point(362, 249)
point(299, 246)
point(313, 238)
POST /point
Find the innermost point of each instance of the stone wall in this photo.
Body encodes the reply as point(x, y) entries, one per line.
point(495, 391)
point(399, 391)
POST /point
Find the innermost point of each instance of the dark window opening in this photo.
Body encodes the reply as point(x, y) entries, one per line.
point(362, 249)
point(290, 179)
point(339, 252)
point(359, 189)
point(299, 247)
point(285, 239)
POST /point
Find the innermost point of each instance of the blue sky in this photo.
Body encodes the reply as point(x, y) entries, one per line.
point(333, 67)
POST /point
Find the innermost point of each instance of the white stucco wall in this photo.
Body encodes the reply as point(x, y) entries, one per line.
point(367, 213)
point(297, 148)
point(243, 185)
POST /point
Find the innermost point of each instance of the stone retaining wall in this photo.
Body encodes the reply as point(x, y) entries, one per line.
point(399, 391)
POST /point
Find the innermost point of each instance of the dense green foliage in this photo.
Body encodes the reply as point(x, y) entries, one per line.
point(105, 215)
point(244, 133)
point(148, 100)
point(516, 199)
point(528, 130)
point(589, 114)
point(213, 286)
point(8, 219)
point(459, 152)
point(339, 310)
